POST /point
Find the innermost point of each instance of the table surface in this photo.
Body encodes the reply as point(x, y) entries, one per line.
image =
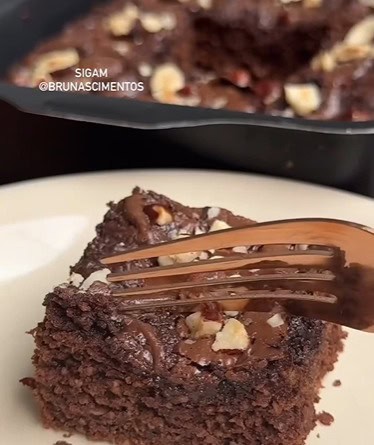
point(36, 146)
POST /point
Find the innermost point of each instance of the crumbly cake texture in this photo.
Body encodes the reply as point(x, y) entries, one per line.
point(214, 377)
point(306, 58)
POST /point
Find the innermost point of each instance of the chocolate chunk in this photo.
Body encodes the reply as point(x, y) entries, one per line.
point(325, 418)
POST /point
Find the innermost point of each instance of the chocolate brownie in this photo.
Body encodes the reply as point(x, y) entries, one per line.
point(213, 376)
point(281, 57)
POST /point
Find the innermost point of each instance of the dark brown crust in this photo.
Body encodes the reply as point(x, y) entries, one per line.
point(116, 377)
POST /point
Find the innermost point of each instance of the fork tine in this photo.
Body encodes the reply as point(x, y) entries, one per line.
point(317, 258)
point(250, 295)
point(301, 277)
point(294, 231)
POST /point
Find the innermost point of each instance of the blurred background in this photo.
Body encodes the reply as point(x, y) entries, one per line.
point(35, 146)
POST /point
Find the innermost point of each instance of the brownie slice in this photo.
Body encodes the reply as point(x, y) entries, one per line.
point(167, 377)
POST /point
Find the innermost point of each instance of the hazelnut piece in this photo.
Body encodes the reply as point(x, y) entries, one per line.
point(200, 327)
point(163, 216)
point(303, 98)
point(166, 81)
point(121, 23)
point(219, 225)
point(233, 336)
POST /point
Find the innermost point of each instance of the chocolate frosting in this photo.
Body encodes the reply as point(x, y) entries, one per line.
point(160, 341)
point(141, 330)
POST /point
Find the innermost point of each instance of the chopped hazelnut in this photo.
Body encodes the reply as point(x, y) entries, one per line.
point(187, 257)
point(303, 98)
point(301, 246)
point(122, 48)
point(99, 275)
point(200, 327)
point(53, 61)
point(231, 313)
point(193, 321)
point(154, 23)
point(165, 82)
point(76, 279)
point(362, 33)
point(145, 69)
point(208, 328)
point(357, 45)
point(58, 60)
point(219, 225)
point(163, 216)
point(233, 336)
point(324, 61)
point(348, 53)
point(240, 249)
point(121, 23)
point(165, 260)
point(205, 4)
point(213, 212)
point(203, 256)
point(275, 321)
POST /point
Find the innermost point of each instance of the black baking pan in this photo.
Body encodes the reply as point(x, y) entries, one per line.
point(331, 153)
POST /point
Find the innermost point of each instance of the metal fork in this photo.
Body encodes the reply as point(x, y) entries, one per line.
point(332, 280)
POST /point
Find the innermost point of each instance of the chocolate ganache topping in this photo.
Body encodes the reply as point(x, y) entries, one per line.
point(163, 340)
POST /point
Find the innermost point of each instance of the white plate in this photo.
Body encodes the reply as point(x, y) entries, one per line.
point(44, 226)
